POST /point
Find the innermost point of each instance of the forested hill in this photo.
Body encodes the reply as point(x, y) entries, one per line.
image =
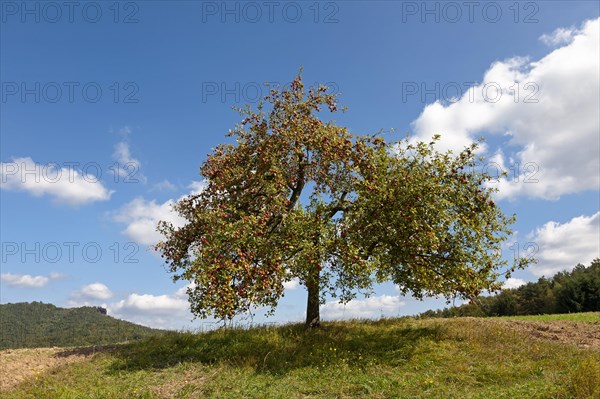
point(36, 324)
point(566, 292)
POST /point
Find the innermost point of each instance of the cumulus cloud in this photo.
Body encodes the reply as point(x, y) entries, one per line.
point(95, 291)
point(546, 109)
point(372, 307)
point(65, 185)
point(513, 283)
point(562, 246)
point(169, 311)
point(27, 280)
point(90, 295)
point(142, 216)
point(159, 311)
point(559, 37)
point(146, 303)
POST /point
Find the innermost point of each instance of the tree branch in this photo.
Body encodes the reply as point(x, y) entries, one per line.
point(339, 206)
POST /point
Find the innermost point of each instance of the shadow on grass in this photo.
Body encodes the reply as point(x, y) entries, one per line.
point(86, 350)
point(280, 350)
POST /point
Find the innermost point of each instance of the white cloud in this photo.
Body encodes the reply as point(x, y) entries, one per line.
point(553, 123)
point(95, 291)
point(196, 187)
point(559, 37)
point(159, 311)
point(156, 304)
point(292, 284)
point(129, 168)
point(90, 295)
point(170, 311)
point(24, 280)
point(182, 292)
point(142, 217)
point(562, 246)
point(63, 184)
point(372, 307)
point(513, 283)
point(123, 154)
point(27, 280)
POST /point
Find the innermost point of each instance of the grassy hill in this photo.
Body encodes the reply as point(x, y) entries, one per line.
point(391, 358)
point(36, 324)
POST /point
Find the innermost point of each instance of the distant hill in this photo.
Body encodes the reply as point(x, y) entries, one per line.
point(36, 324)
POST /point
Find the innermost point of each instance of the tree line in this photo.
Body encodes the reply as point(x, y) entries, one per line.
point(566, 292)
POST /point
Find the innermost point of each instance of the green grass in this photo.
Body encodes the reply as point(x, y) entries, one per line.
point(587, 316)
point(394, 358)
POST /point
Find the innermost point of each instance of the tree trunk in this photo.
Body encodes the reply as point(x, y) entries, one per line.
point(313, 318)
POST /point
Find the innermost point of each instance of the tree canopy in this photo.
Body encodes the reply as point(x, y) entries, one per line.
point(297, 197)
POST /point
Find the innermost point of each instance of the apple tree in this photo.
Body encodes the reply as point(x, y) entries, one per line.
point(291, 196)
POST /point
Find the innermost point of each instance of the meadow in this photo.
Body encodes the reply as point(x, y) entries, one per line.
point(388, 358)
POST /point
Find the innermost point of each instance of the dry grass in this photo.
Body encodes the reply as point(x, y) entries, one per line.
point(19, 365)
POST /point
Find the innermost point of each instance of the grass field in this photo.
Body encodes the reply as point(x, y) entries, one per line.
point(392, 358)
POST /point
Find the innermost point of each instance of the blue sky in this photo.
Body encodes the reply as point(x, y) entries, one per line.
point(108, 109)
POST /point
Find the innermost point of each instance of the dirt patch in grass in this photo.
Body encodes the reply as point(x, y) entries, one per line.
point(585, 335)
point(17, 365)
